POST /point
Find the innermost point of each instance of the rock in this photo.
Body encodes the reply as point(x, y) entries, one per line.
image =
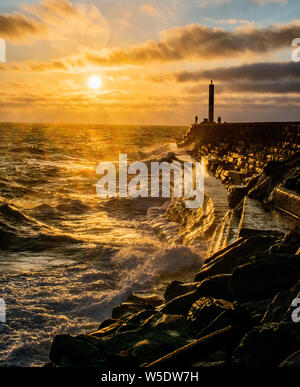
point(293, 361)
point(212, 364)
point(81, 350)
point(280, 307)
point(256, 309)
point(107, 323)
point(176, 289)
point(205, 310)
point(181, 305)
point(236, 194)
point(107, 330)
point(292, 239)
point(136, 320)
point(153, 300)
point(264, 278)
point(153, 339)
point(266, 345)
point(128, 308)
point(216, 286)
point(236, 256)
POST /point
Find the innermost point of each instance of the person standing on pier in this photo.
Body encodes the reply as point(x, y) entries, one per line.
point(196, 120)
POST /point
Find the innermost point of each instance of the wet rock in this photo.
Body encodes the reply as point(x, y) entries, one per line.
point(72, 351)
point(292, 239)
point(128, 308)
point(176, 289)
point(181, 305)
point(293, 361)
point(107, 330)
point(236, 256)
point(153, 300)
point(107, 323)
point(236, 194)
point(209, 364)
point(265, 277)
point(155, 338)
point(266, 345)
point(280, 307)
point(216, 286)
point(256, 309)
point(136, 320)
point(205, 310)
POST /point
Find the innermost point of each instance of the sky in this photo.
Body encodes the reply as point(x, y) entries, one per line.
point(155, 59)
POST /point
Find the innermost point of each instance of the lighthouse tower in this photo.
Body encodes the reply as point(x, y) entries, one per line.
point(211, 102)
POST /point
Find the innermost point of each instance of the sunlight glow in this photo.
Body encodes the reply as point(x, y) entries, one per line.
point(94, 82)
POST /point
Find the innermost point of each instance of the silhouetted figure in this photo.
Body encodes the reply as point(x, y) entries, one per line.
point(219, 120)
point(196, 120)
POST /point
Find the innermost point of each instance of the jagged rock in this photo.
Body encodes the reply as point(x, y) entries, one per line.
point(153, 339)
point(236, 256)
point(136, 320)
point(280, 307)
point(107, 330)
point(292, 238)
point(255, 309)
point(128, 308)
point(293, 361)
point(266, 345)
point(181, 305)
point(216, 286)
point(265, 277)
point(153, 300)
point(176, 289)
point(205, 310)
point(107, 323)
point(81, 350)
point(236, 194)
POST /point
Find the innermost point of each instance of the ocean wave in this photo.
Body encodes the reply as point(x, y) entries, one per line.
point(19, 231)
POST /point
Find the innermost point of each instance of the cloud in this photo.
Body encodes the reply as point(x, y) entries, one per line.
point(230, 21)
point(197, 41)
point(149, 10)
point(249, 72)
point(19, 27)
point(205, 3)
point(53, 20)
point(263, 2)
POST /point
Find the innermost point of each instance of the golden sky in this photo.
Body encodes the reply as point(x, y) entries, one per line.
point(155, 60)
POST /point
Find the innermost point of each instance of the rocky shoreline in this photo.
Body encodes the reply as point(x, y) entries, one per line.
point(237, 313)
point(239, 310)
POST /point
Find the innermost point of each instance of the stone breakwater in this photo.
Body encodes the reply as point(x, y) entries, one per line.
point(238, 310)
point(236, 313)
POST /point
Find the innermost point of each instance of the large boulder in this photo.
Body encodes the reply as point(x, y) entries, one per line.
point(76, 351)
point(181, 305)
point(215, 286)
point(205, 310)
point(265, 277)
point(236, 194)
point(126, 309)
point(266, 345)
point(176, 289)
point(237, 255)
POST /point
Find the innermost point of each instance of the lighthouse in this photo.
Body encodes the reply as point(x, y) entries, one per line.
point(211, 102)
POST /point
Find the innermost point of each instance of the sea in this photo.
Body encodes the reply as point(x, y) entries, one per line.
point(67, 256)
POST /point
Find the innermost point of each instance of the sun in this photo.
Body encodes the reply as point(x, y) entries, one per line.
point(94, 82)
